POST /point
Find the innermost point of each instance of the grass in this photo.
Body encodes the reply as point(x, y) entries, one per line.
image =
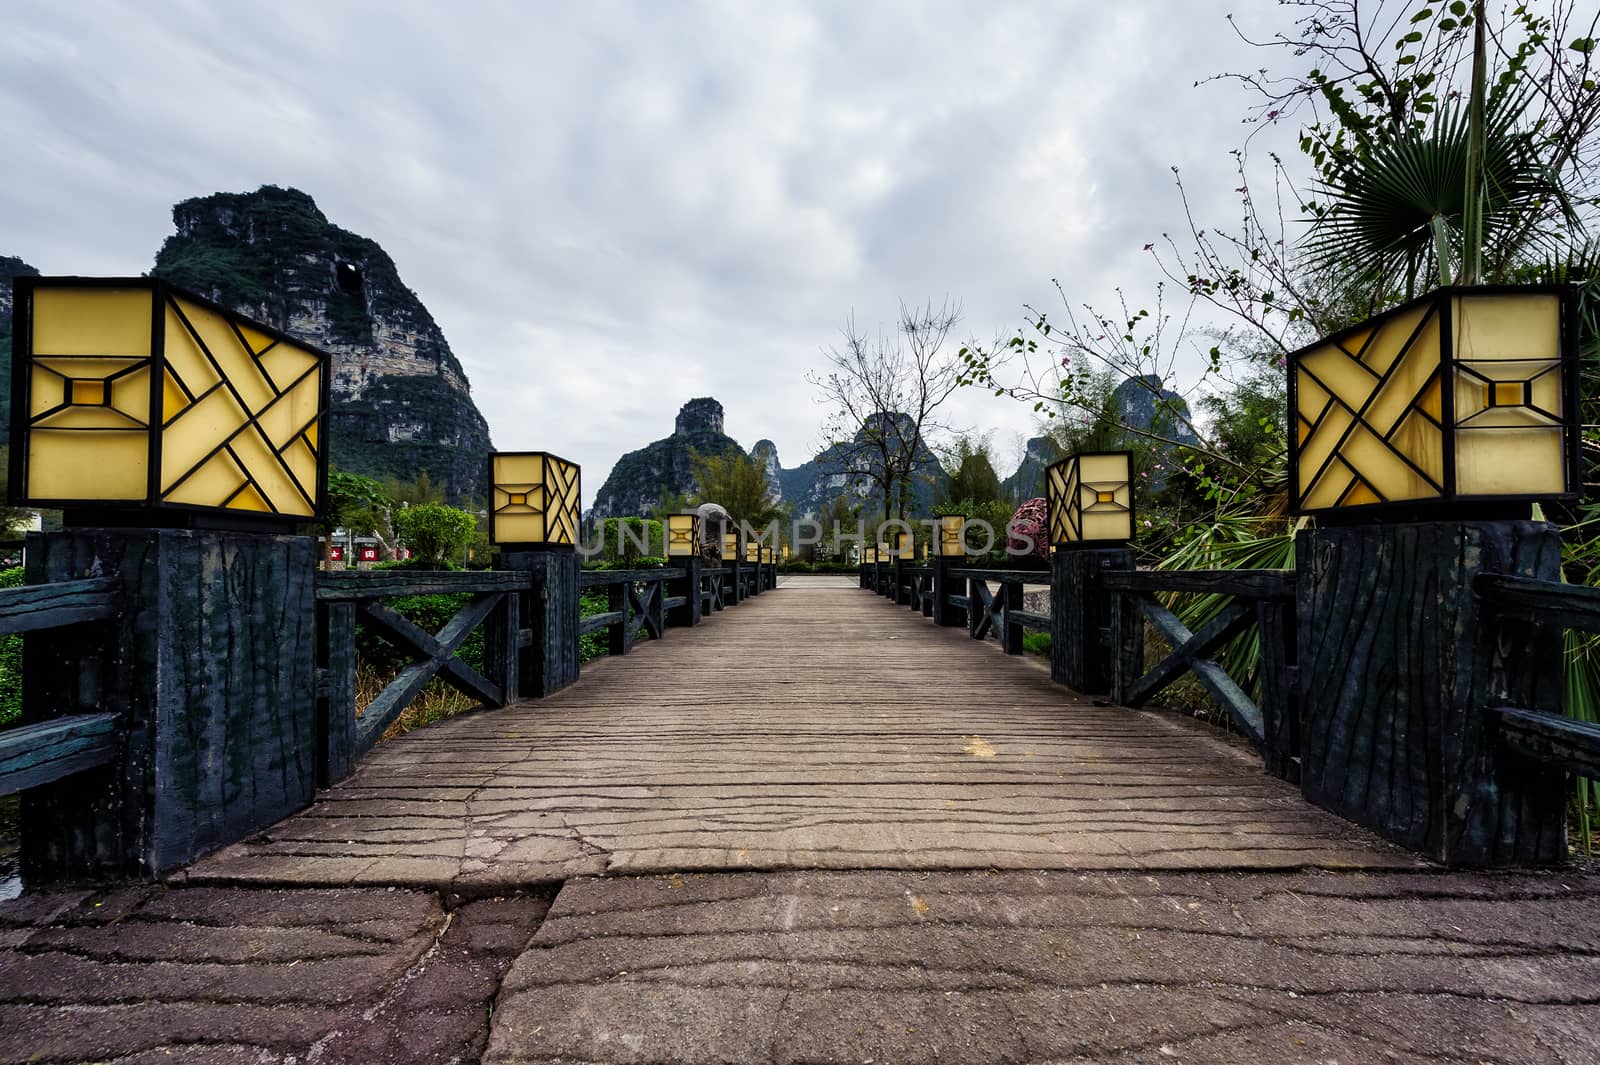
point(437, 701)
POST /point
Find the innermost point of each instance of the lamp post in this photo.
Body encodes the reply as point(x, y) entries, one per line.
point(1090, 524)
point(952, 553)
point(683, 551)
point(1420, 439)
point(730, 559)
point(534, 501)
point(183, 444)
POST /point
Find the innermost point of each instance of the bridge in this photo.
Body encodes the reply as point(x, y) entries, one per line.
point(786, 819)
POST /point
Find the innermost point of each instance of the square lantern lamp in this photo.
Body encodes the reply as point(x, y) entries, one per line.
point(752, 551)
point(730, 547)
point(881, 553)
point(901, 544)
point(683, 535)
point(533, 499)
point(869, 555)
point(1090, 500)
point(952, 536)
point(130, 394)
point(1462, 398)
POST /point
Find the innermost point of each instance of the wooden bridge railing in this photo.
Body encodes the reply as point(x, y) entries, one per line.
point(76, 738)
point(347, 597)
point(1260, 598)
point(999, 613)
point(1561, 742)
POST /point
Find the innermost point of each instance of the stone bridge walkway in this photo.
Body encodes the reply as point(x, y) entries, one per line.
point(813, 829)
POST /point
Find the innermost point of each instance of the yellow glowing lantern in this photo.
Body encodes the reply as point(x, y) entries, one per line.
point(952, 536)
point(1465, 396)
point(132, 393)
point(534, 499)
point(683, 535)
point(730, 547)
point(1090, 499)
point(752, 551)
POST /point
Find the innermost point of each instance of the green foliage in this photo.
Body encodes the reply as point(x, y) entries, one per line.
point(974, 477)
point(669, 502)
point(620, 540)
point(1036, 643)
point(739, 483)
point(356, 503)
point(10, 660)
point(434, 532)
point(592, 645)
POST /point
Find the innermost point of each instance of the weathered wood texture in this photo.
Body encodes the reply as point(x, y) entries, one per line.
point(1548, 602)
point(382, 584)
point(688, 609)
point(946, 585)
point(822, 727)
point(1080, 610)
point(549, 611)
point(1556, 741)
point(1397, 666)
point(42, 753)
point(51, 606)
point(210, 664)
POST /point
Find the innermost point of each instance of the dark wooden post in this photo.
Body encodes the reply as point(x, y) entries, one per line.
point(619, 636)
point(212, 669)
point(1396, 667)
point(1010, 634)
point(1280, 710)
point(946, 585)
point(1080, 617)
point(926, 593)
point(688, 588)
point(550, 612)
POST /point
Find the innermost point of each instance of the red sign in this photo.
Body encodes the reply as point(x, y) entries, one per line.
point(402, 553)
point(335, 554)
point(369, 554)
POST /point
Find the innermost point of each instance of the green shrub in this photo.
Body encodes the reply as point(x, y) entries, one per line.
point(620, 537)
point(10, 661)
point(434, 532)
point(592, 645)
point(1036, 643)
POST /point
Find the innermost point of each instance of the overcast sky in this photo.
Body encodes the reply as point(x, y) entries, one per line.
point(613, 207)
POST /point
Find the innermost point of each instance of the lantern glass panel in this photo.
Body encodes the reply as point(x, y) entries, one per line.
point(683, 539)
point(1090, 499)
point(533, 498)
point(951, 539)
point(122, 376)
point(1461, 394)
point(730, 546)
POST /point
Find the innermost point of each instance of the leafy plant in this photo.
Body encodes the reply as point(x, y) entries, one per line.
point(434, 532)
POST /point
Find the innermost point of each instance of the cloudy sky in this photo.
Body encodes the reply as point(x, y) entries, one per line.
point(613, 207)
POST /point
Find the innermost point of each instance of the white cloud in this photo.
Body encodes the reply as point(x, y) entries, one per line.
point(612, 208)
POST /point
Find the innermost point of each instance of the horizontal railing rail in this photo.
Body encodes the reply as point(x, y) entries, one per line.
point(1260, 598)
point(1563, 742)
point(43, 752)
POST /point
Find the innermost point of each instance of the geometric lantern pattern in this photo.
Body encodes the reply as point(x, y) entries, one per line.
point(1090, 499)
point(683, 535)
point(1467, 394)
point(135, 393)
point(952, 543)
point(533, 499)
point(730, 547)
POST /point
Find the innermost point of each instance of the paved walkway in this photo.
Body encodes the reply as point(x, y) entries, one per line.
point(813, 829)
point(808, 728)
